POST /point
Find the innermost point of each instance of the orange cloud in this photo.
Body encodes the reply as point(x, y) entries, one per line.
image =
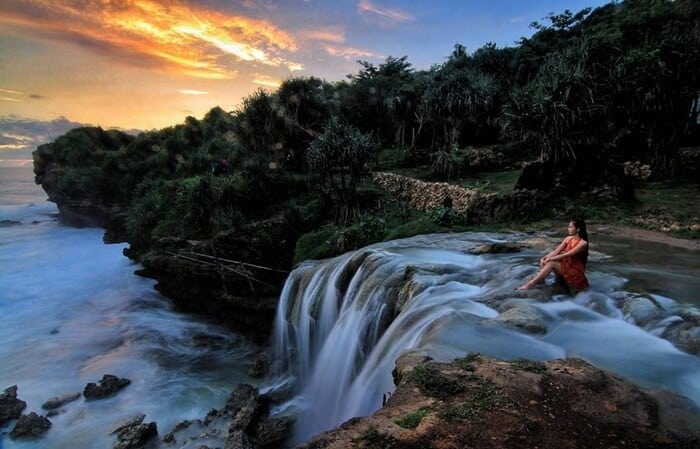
point(192, 92)
point(350, 52)
point(8, 91)
point(196, 41)
point(267, 81)
point(334, 35)
point(394, 15)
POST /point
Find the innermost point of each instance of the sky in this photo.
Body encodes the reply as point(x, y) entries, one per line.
point(145, 64)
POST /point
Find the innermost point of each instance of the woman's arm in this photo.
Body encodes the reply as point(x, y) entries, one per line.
point(554, 252)
point(579, 248)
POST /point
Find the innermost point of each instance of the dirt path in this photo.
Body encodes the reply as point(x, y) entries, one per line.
point(644, 234)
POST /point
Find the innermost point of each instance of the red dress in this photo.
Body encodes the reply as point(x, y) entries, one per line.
point(573, 268)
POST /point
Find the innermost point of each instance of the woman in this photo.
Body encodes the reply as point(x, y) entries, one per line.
point(568, 260)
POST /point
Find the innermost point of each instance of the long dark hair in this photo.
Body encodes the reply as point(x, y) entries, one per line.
point(583, 233)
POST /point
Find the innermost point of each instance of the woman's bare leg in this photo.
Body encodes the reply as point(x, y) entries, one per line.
point(544, 272)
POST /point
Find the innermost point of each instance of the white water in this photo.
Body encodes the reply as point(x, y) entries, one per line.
point(336, 334)
point(72, 310)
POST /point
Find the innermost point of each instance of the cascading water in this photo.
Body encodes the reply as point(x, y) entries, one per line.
point(342, 323)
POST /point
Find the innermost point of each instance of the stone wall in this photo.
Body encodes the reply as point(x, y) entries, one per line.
point(475, 205)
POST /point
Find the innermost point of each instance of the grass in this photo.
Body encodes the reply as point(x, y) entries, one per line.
point(467, 362)
point(485, 397)
point(529, 365)
point(433, 383)
point(412, 420)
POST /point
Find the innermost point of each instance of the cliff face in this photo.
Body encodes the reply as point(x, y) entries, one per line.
point(480, 402)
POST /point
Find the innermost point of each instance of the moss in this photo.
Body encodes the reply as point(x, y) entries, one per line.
point(529, 365)
point(433, 383)
point(373, 439)
point(467, 362)
point(315, 245)
point(412, 420)
point(484, 396)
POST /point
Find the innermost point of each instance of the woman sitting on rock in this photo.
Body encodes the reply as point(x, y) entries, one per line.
point(568, 260)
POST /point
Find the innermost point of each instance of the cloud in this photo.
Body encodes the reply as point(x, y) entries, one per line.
point(267, 81)
point(192, 92)
point(18, 133)
point(188, 37)
point(392, 15)
point(36, 97)
point(9, 99)
point(518, 19)
point(12, 92)
point(350, 53)
point(335, 35)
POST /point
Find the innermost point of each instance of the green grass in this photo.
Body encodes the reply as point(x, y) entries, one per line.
point(491, 182)
point(412, 420)
point(433, 383)
point(529, 365)
point(467, 362)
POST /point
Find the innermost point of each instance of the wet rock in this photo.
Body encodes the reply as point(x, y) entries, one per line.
point(495, 248)
point(642, 310)
point(4, 223)
point(245, 406)
point(109, 385)
point(134, 434)
point(10, 407)
point(58, 401)
point(260, 367)
point(519, 313)
point(684, 335)
point(238, 440)
point(272, 430)
point(170, 437)
point(31, 426)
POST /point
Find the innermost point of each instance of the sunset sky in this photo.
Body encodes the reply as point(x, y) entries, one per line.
point(149, 63)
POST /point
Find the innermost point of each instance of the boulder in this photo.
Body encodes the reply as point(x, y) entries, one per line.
point(495, 248)
point(31, 426)
point(521, 314)
point(58, 401)
point(134, 434)
point(109, 385)
point(246, 407)
point(10, 407)
point(260, 366)
point(272, 431)
point(238, 440)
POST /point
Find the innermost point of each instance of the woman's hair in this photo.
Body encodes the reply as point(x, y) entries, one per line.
point(583, 233)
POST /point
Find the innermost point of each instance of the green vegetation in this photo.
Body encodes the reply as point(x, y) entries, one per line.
point(529, 365)
point(484, 395)
point(433, 383)
point(467, 362)
point(412, 420)
point(586, 92)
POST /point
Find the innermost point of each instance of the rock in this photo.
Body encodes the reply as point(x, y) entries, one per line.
point(496, 248)
point(30, 426)
point(495, 404)
point(642, 310)
point(260, 367)
point(685, 335)
point(272, 430)
point(134, 434)
point(182, 425)
point(4, 223)
point(523, 315)
point(10, 407)
point(695, 227)
point(245, 406)
point(109, 385)
point(58, 401)
point(238, 440)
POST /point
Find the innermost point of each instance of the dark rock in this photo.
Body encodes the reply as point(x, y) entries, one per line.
point(30, 426)
point(260, 367)
point(58, 401)
point(134, 434)
point(245, 406)
point(272, 430)
point(109, 385)
point(496, 248)
point(182, 425)
point(4, 223)
point(238, 440)
point(10, 407)
point(684, 335)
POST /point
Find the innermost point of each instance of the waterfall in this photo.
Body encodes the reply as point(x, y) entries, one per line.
point(342, 323)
